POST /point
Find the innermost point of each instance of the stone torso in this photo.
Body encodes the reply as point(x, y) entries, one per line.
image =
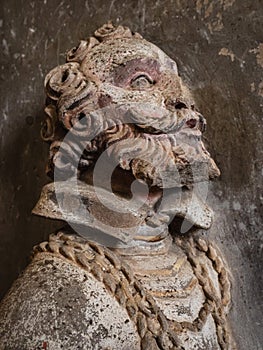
point(77, 294)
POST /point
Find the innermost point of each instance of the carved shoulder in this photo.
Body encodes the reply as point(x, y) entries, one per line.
point(56, 303)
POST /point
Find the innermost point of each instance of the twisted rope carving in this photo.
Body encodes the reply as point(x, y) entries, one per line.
point(194, 248)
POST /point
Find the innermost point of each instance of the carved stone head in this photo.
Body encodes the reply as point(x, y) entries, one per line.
point(121, 95)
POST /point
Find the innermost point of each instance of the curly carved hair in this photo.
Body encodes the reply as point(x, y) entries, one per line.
point(70, 92)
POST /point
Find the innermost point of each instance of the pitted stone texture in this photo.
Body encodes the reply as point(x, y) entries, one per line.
point(203, 340)
point(58, 305)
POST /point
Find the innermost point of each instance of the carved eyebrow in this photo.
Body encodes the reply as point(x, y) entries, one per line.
point(123, 74)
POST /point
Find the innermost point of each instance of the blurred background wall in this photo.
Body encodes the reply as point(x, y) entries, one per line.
point(218, 45)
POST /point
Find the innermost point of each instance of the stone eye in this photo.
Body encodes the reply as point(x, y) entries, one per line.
point(141, 82)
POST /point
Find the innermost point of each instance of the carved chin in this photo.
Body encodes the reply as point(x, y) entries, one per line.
point(158, 161)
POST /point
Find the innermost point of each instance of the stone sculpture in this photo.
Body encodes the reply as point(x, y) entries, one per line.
point(122, 274)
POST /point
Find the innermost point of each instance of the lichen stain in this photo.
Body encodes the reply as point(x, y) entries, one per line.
point(227, 3)
point(210, 11)
point(217, 24)
point(226, 52)
point(259, 54)
point(260, 89)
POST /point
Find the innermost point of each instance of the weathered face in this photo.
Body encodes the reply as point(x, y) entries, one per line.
point(124, 95)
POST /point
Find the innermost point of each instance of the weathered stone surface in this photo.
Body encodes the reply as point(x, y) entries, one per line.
point(59, 305)
point(219, 40)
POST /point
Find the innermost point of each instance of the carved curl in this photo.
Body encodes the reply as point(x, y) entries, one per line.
point(109, 31)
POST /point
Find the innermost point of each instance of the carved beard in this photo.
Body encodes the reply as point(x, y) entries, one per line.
point(162, 160)
point(171, 157)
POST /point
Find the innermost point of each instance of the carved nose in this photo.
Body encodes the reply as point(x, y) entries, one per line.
point(197, 119)
point(175, 104)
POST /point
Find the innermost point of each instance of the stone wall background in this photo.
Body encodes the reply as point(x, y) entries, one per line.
point(218, 45)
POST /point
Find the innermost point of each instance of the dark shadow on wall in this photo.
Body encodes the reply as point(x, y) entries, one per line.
point(219, 51)
point(22, 176)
